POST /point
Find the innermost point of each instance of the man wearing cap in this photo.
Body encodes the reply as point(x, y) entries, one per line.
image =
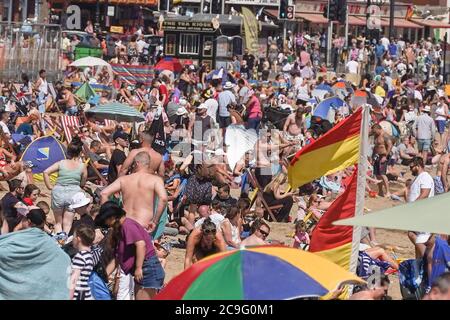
point(226, 98)
point(200, 128)
point(425, 131)
point(211, 103)
point(139, 193)
point(118, 156)
point(421, 188)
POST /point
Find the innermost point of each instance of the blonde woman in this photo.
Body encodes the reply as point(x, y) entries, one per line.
point(274, 196)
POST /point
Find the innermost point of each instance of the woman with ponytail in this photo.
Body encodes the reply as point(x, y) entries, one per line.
point(133, 250)
point(72, 176)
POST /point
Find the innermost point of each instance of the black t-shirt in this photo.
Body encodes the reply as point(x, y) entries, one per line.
point(84, 219)
point(230, 202)
point(250, 60)
point(8, 203)
point(117, 158)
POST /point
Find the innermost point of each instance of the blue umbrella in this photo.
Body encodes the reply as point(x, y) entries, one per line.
point(324, 106)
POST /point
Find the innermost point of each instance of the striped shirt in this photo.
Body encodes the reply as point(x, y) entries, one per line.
point(83, 260)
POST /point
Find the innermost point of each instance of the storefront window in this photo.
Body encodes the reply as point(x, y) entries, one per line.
point(189, 44)
point(170, 44)
point(207, 46)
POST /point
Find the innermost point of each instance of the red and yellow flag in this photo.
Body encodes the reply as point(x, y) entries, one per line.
point(334, 151)
point(335, 242)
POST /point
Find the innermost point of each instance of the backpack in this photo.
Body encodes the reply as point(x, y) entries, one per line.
point(412, 279)
point(99, 289)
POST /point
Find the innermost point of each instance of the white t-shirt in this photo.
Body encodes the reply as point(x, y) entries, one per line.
point(352, 66)
point(216, 218)
point(5, 128)
point(212, 105)
point(140, 45)
point(422, 181)
point(385, 42)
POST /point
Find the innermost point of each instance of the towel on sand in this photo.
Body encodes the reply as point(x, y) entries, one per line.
point(32, 267)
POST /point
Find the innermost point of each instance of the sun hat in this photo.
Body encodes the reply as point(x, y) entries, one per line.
point(183, 102)
point(228, 85)
point(202, 106)
point(427, 109)
point(181, 111)
point(79, 200)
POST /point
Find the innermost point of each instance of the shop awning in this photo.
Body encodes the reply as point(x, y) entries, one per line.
point(121, 2)
point(403, 23)
point(431, 23)
point(356, 21)
point(311, 17)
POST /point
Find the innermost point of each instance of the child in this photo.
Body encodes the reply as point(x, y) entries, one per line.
point(81, 204)
point(46, 208)
point(301, 237)
point(402, 193)
point(309, 137)
point(174, 179)
point(82, 263)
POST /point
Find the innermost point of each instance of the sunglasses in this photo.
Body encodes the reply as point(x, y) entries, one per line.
point(265, 234)
point(208, 231)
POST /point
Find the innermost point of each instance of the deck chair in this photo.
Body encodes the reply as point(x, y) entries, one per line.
point(258, 194)
point(309, 221)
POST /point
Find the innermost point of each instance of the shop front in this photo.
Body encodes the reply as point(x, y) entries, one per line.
point(206, 39)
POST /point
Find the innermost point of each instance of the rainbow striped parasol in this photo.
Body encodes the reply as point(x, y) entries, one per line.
point(258, 273)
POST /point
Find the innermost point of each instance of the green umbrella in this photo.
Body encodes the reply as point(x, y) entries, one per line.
point(428, 215)
point(85, 92)
point(116, 111)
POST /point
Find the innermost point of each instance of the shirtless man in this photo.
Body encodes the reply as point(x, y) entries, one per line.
point(69, 101)
point(139, 191)
point(156, 164)
point(203, 242)
point(381, 155)
point(293, 129)
point(294, 125)
point(263, 171)
point(260, 231)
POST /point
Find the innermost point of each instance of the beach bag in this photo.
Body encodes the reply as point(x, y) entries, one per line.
point(98, 287)
point(412, 279)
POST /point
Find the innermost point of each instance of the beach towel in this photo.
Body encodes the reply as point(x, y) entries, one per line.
point(32, 267)
point(366, 263)
point(441, 259)
point(158, 232)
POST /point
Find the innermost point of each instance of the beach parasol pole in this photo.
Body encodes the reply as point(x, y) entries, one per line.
point(361, 184)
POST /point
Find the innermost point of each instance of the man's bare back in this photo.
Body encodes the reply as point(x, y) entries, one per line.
point(253, 240)
point(138, 195)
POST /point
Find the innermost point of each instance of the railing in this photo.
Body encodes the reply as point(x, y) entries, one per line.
point(28, 48)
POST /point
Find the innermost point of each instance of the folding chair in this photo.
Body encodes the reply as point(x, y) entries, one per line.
point(258, 194)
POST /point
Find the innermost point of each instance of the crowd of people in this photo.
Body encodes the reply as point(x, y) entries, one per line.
point(118, 197)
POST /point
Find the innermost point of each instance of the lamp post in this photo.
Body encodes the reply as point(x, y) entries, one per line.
point(391, 18)
point(445, 58)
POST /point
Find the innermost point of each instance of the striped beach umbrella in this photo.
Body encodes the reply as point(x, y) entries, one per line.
point(116, 111)
point(258, 273)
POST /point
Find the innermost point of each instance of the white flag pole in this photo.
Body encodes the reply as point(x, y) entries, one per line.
point(361, 184)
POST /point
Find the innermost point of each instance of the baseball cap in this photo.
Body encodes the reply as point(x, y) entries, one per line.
point(120, 134)
point(79, 200)
point(202, 106)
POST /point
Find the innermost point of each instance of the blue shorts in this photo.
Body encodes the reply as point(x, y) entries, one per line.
point(153, 274)
point(424, 144)
point(440, 124)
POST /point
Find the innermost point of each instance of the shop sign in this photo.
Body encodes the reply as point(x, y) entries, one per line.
point(188, 26)
point(273, 3)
